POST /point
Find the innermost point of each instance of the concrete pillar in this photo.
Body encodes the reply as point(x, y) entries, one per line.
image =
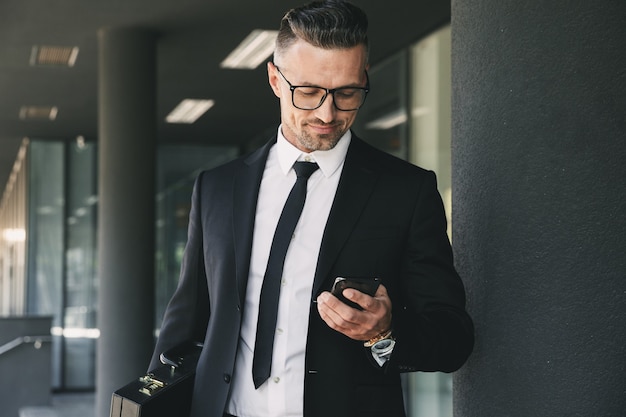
point(539, 168)
point(127, 146)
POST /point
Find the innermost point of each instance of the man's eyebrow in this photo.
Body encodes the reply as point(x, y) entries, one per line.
point(352, 85)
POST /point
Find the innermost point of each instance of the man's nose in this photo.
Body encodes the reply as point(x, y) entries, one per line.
point(326, 112)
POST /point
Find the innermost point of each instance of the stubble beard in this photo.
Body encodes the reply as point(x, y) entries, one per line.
point(319, 142)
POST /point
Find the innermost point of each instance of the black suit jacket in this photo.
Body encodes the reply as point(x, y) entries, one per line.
point(387, 220)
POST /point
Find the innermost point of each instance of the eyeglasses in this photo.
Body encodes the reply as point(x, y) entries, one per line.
point(306, 97)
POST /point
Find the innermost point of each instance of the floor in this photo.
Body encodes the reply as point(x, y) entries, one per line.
point(74, 405)
point(65, 405)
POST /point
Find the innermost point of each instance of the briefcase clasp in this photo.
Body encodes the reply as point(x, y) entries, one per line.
point(152, 385)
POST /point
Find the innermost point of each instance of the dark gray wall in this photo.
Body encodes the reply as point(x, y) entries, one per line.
point(539, 104)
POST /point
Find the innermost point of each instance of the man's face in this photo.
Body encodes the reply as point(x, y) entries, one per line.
point(305, 64)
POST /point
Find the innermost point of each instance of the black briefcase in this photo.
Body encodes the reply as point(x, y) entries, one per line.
point(163, 392)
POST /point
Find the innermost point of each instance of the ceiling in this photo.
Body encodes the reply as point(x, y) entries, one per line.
point(194, 36)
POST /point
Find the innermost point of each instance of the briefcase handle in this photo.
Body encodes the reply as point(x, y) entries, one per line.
point(175, 357)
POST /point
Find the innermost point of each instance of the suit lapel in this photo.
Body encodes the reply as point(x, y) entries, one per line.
point(357, 182)
point(245, 194)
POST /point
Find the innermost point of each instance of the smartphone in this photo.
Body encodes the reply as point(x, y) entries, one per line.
point(367, 285)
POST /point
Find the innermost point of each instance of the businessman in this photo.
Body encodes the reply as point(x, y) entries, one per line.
point(271, 231)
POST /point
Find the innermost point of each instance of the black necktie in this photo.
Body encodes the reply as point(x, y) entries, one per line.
point(268, 306)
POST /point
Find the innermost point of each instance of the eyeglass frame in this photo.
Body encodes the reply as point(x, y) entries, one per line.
point(328, 91)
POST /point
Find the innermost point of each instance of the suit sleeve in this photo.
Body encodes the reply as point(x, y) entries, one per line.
point(433, 331)
point(187, 312)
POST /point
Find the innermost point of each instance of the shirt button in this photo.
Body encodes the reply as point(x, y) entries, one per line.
point(279, 331)
point(277, 380)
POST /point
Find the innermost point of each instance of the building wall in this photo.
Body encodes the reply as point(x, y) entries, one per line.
point(539, 92)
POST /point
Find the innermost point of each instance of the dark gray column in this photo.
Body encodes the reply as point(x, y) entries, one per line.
point(127, 143)
point(539, 157)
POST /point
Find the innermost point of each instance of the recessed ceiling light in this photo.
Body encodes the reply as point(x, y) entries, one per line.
point(38, 112)
point(189, 110)
point(56, 56)
point(252, 51)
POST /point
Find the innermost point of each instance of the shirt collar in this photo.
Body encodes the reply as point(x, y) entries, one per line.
point(328, 161)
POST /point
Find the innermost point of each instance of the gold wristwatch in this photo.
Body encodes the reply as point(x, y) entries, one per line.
point(382, 345)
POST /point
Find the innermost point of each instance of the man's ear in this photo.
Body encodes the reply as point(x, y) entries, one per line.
point(273, 78)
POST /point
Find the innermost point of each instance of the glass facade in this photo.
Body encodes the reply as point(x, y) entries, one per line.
point(46, 237)
point(177, 168)
point(430, 117)
point(80, 292)
point(61, 276)
point(383, 121)
point(429, 137)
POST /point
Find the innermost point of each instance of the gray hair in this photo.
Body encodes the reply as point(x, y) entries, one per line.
point(328, 24)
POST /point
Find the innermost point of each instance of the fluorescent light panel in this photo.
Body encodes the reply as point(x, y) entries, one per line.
point(189, 110)
point(252, 51)
point(56, 56)
point(38, 112)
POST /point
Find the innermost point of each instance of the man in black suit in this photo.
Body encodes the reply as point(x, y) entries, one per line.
point(367, 214)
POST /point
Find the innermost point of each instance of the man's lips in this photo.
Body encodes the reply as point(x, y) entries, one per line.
point(323, 129)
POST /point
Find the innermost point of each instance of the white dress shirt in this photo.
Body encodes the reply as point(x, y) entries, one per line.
point(283, 393)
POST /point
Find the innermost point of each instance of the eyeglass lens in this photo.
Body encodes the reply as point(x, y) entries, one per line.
point(345, 98)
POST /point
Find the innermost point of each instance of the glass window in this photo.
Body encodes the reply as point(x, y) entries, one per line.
point(62, 240)
point(177, 168)
point(431, 109)
point(62, 267)
point(62, 255)
point(430, 394)
point(383, 120)
point(46, 208)
point(79, 320)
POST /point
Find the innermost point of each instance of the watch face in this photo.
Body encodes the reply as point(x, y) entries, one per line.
point(382, 344)
point(383, 348)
